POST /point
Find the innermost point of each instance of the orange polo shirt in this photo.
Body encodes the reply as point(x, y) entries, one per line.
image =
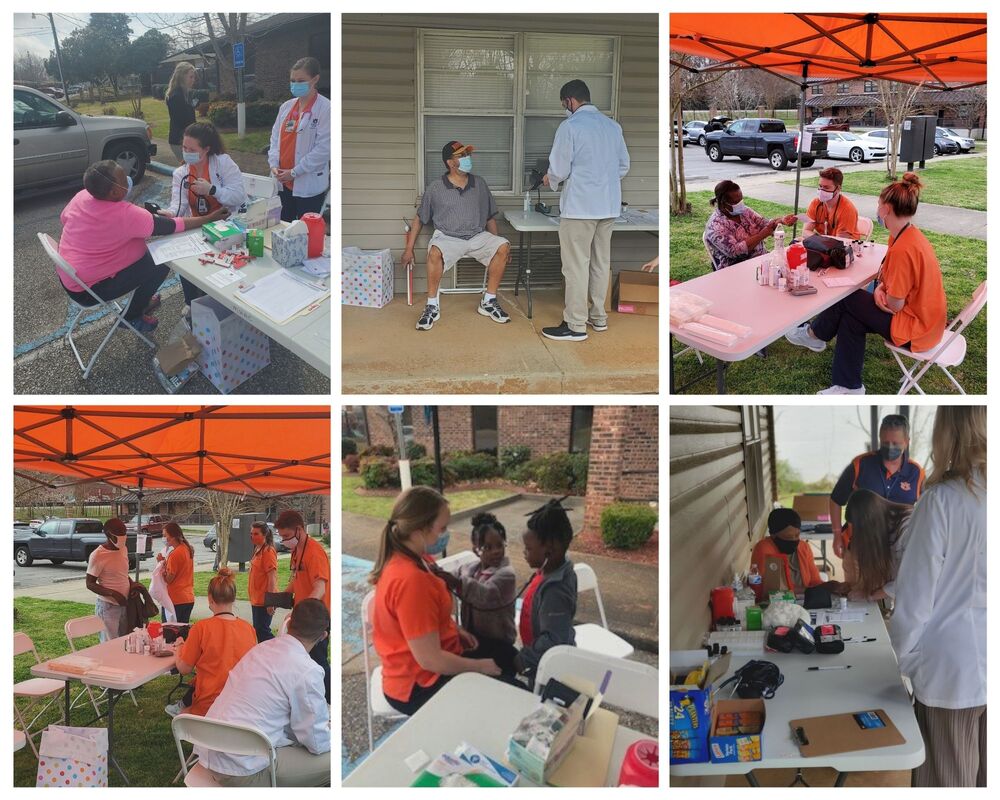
point(311, 566)
point(843, 222)
point(214, 646)
point(181, 566)
point(410, 602)
point(264, 562)
point(766, 548)
point(912, 271)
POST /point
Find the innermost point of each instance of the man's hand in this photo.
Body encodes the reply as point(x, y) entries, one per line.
point(881, 300)
point(788, 219)
point(651, 266)
point(838, 544)
point(220, 213)
point(119, 598)
point(201, 187)
point(407, 258)
point(545, 181)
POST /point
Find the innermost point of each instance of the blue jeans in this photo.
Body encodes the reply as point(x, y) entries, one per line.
point(261, 623)
point(113, 617)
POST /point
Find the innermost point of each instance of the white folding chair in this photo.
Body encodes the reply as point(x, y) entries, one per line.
point(377, 705)
point(119, 306)
point(77, 628)
point(950, 351)
point(226, 737)
point(634, 686)
point(20, 740)
point(865, 227)
point(597, 638)
point(37, 689)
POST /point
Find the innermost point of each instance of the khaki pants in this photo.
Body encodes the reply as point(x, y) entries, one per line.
point(955, 744)
point(296, 767)
point(585, 249)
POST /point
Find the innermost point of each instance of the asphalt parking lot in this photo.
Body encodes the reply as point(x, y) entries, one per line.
point(698, 167)
point(44, 363)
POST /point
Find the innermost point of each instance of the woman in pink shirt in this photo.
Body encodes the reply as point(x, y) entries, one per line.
point(104, 240)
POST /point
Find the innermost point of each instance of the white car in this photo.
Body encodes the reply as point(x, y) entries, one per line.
point(965, 144)
point(859, 149)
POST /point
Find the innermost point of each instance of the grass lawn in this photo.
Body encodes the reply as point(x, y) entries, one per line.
point(793, 370)
point(381, 507)
point(947, 183)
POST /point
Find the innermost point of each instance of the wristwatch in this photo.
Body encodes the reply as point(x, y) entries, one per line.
point(211, 191)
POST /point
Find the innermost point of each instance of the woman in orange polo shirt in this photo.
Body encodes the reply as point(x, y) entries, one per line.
point(263, 578)
point(415, 636)
point(784, 526)
point(178, 571)
point(908, 306)
point(214, 646)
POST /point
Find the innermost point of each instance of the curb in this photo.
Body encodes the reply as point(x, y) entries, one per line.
point(471, 512)
point(161, 168)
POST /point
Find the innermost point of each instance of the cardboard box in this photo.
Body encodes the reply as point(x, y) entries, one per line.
point(690, 706)
point(812, 507)
point(178, 354)
point(740, 747)
point(637, 292)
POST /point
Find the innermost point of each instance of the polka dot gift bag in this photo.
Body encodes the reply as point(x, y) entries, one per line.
point(367, 277)
point(232, 350)
point(73, 757)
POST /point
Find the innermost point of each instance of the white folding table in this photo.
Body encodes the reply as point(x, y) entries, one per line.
point(470, 708)
point(109, 654)
point(872, 682)
point(822, 537)
point(307, 335)
point(531, 222)
point(770, 314)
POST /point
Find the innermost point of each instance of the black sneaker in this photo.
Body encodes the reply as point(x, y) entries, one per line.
point(491, 309)
point(431, 315)
point(563, 333)
point(599, 327)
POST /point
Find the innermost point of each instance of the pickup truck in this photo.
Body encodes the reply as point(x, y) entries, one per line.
point(762, 138)
point(59, 540)
point(151, 523)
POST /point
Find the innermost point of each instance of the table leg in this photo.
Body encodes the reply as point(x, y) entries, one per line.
point(720, 376)
point(113, 697)
point(66, 703)
point(671, 343)
point(520, 261)
point(841, 777)
point(752, 779)
point(527, 275)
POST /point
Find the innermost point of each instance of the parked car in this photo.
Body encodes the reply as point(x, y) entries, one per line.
point(211, 540)
point(829, 124)
point(151, 523)
point(693, 132)
point(717, 123)
point(945, 146)
point(859, 149)
point(54, 144)
point(60, 540)
point(762, 138)
point(965, 143)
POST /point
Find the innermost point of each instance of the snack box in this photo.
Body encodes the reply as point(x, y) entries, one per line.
point(737, 730)
point(691, 704)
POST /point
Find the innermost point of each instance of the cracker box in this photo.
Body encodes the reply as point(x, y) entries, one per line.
point(367, 277)
point(737, 730)
point(691, 704)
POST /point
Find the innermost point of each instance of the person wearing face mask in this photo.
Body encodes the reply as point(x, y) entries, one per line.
point(586, 165)
point(463, 212)
point(888, 472)
point(107, 577)
point(783, 542)
point(180, 105)
point(907, 308)
point(735, 232)
point(208, 180)
point(299, 155)
point(310, 575)
point(416, 637)
point(104, 240)
point(830, 213)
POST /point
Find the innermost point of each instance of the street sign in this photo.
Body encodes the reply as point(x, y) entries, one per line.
point(395, 409)
point(238, 62)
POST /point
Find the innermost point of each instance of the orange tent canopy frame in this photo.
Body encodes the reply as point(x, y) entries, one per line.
point(253, 450)
point(940, 51)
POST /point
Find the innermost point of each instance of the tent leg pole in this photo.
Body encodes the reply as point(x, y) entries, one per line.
point(802, 136)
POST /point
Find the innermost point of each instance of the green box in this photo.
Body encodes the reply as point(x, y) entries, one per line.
point(255, 242)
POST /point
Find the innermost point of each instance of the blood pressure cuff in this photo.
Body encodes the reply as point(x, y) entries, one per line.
point(172, 631)
point(818, 597)
point(829, 639)
point(784, 639)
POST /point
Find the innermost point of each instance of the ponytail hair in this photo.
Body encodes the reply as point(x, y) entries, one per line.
point(222, 588)
point(415, 510)
point(207, 135)
point(265, 531)
point(178, 535)
point(722, 189)
point(903, 195)
point(550, 523)
point(483, 522)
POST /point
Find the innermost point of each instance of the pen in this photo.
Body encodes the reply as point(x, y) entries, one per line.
point(842, 666)
point(606, 681)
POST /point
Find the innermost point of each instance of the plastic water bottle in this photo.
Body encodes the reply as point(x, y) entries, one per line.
point(779, 245)
point(756, 581)
point(527, 202)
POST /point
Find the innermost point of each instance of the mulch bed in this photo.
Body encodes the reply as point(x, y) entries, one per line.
point(649, 553)
point(463, 486)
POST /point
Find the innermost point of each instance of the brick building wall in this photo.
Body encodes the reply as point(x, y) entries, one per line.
point(545, 429)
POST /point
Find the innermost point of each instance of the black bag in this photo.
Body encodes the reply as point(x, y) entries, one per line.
point(817, 597)
point(826, 251)
point(172, 631)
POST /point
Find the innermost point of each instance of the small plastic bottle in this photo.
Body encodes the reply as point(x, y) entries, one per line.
point(527, 202)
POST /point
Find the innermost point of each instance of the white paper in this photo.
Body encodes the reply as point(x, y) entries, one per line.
point(140, 543)
point(223, 277)
point(172, 248)
point(837, 283)
point(280, 297)
point(319, 267)
point(845, 616)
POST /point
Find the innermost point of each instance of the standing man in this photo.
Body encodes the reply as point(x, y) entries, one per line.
point(589, 159)
point(310, 568)
point(107, 577)
point(462, 209)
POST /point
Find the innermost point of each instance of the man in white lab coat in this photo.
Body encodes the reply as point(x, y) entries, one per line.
point(587, 162)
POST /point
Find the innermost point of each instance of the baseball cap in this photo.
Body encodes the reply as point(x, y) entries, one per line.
point(454, 149)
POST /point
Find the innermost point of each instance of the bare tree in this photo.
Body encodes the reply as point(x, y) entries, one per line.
point(738, 91)
point(975, 107)
point(29, 68)
point(896, 101)
point(234, 28)
point(223, 506)
point(772, 90)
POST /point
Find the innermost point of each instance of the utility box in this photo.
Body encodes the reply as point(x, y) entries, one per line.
point(240, 546)
point(916, 141)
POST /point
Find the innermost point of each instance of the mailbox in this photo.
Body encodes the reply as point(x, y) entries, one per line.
point(916, 141)
point(240, 546)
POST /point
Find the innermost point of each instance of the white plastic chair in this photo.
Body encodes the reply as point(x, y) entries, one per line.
point(456, 561)
point(950, 351)
point(77, 628)
point(597, 638)
point(865, 227)
point(20, 740)
point(118, 305)
point(37, 689)
point(226, 737)
point(634, 686)
point(376, 703)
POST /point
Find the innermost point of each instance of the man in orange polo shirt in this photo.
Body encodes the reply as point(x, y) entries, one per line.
point(310, 567)
point(830, 213)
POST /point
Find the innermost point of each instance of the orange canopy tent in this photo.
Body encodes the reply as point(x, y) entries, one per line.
point(253, 450)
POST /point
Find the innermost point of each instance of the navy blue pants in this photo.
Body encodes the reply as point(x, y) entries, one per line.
point(850, 321)
point(261, 623)
point(321, 656)
point(292, 207)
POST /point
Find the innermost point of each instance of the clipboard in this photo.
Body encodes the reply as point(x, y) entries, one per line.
point(844, 733)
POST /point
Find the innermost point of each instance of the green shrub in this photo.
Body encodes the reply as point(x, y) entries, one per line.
point(261, 113)
point(380, 450)
point(627, 525)
point(348, 447)
point(470, 466)
point(159, 90)
point(415, 450)
point(109, 111)
point(222, 114)
point(560, 472)
point(424, 473)
point(352, 462)
point(513, 457)
point(380, 473)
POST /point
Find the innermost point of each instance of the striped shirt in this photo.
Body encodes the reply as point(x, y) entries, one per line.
point(461, 213)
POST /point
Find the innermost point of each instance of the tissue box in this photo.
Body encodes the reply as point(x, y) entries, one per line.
point(289, 250)
point(367, 277)
point(543, 739)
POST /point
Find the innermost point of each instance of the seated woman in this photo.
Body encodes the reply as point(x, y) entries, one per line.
point(874, 549)
point(104, 240)
point(213, 647)
point(830, 213)
point(907, 308)
point(207, 181)
point(415, 635)
point(784, 543)
point(734, 231)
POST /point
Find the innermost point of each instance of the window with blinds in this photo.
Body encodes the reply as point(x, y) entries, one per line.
point(500, 93)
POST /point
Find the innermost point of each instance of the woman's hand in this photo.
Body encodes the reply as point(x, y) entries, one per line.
point(469, 642)
point(220, 213)
point(159, 557)
point(487, 666)
point(881, 299)
point(270, 611)
point(788, 219)
point(201, 187)
point(651, 266)
point(283, 175)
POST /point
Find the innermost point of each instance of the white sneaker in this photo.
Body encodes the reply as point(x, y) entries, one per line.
point(842, 390)
point(175, 708)
point(801, 337)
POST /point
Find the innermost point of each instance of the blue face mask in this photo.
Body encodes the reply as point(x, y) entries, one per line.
point(129, 190)
point(191, 158)
point(738, 209)
point(299, 89)
point(465, 163)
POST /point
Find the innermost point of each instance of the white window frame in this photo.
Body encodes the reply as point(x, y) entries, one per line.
point(519, 111)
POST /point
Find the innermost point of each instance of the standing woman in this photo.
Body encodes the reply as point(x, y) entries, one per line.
point(300, 144)
point(263, 578)
point(180, 104)
point(938, 629)
point(178, 571)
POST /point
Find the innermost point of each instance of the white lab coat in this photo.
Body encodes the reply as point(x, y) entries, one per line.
point(938, 628)
point(312, 148)
point(224, 173)
point(158, 589)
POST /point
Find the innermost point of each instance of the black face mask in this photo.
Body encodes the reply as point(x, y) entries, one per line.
point(785, 546)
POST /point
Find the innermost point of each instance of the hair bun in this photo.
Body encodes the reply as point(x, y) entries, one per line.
point(484, 518)
point(224, 572)
point(912, 179)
